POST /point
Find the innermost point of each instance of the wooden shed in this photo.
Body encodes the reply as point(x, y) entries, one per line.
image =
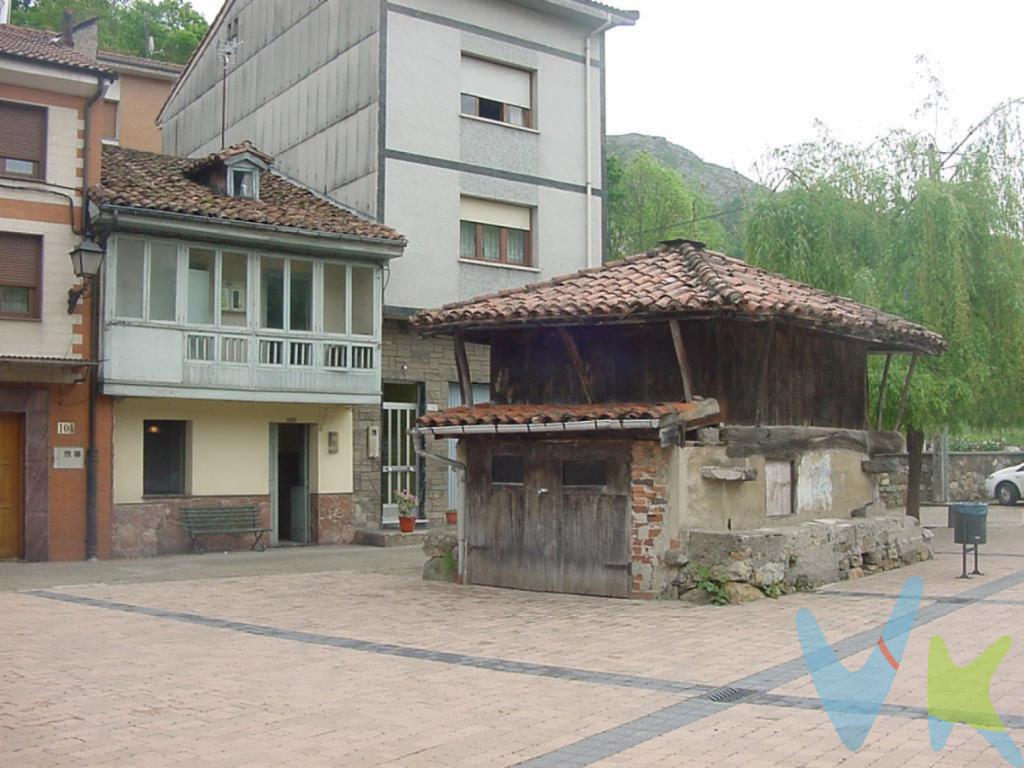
point(601, 441)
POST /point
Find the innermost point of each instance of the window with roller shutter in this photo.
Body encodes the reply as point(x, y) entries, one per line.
point(20, 260)
point(22, 141)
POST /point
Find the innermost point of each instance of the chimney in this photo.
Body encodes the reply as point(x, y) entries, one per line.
point(5, 11)
point(86, 37)
point(68, 28)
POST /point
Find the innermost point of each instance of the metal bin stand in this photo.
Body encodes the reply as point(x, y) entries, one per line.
point(970, 528)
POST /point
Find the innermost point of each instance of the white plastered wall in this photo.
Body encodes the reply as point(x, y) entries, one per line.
point(228, 453)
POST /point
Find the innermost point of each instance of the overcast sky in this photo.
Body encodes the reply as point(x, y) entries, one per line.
point(729, 79)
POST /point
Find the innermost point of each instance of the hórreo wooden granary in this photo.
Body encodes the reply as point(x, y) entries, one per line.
point(675, 390)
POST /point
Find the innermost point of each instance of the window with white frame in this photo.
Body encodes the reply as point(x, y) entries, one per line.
point(197, 285)
point(495, 232)
point(497, 92)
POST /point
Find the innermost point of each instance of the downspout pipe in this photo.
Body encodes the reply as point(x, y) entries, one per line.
point(91, 457)
point(589, 140)
point(419, 442)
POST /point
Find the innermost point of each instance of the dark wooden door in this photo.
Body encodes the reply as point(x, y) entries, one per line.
point(551, 517)
point(11, 479)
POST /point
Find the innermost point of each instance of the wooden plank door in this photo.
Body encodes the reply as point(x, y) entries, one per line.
point(549, 517)
point(593, 520)
point(12, 473)
point(778, 483)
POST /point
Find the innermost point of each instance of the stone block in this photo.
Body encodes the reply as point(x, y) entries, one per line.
point(739, 593)
point(440, 543)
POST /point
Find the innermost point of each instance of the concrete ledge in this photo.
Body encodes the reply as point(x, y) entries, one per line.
point(389, 538)
point(807, 555)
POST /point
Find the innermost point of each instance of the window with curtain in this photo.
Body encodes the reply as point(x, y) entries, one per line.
point(20, 260)
point(495, 232)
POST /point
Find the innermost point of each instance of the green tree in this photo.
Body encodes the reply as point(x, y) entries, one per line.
point(648, 203)
point(126, 26)
point(931, 234)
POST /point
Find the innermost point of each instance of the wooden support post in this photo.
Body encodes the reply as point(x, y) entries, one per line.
point(906, 393)
point(881, 393)
point(577, 362)
point(762, 383)
point(462, 367)
point(683, 360)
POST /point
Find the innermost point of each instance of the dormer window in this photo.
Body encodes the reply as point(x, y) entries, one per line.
point(243, 180)
point(242, 184)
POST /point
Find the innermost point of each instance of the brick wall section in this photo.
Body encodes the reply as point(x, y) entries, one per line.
point(154, 527)
point(651, 537)
point(408, 359)
point(331, 518)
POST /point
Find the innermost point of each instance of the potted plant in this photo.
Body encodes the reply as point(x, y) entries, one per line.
point(406, 505)
point(451, 517)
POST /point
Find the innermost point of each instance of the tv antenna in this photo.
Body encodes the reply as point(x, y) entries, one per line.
point(227, 50)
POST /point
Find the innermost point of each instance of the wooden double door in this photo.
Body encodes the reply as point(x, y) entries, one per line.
point(12, 477)
point(549, 516)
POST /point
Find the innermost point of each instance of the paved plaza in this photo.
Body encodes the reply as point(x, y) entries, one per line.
point(344, 657)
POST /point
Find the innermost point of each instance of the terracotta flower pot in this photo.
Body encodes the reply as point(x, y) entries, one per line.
point(407, 524)
point(451, 517)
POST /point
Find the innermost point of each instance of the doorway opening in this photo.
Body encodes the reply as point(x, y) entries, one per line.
point(12, 473)
point(401, 467)
point(289, 483)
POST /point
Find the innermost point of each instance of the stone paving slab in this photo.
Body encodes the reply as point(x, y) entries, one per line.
point(367, 666)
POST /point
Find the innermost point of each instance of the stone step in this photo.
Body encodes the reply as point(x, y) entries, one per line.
point(390, 537)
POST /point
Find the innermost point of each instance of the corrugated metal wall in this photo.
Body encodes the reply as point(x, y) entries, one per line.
point(303, 87)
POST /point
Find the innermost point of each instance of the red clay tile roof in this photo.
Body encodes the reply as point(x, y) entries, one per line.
point(494, 414)
point(135, 179)
point(679, 279)
point(219, 157)
point(116, 59)
point(39, 45)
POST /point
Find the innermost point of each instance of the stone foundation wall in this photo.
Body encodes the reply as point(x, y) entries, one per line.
point(967, 473)
point(154, 527)
point(651, 526)
point(747, 563)
point(331, 518)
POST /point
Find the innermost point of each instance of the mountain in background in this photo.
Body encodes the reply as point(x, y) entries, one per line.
point(723, 187)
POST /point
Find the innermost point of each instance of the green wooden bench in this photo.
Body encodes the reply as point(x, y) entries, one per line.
point(202, 521)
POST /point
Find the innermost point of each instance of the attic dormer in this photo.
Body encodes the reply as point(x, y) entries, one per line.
point(243, 178)
point(234, 172)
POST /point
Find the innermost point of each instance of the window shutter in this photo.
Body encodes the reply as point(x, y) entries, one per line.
point(19, 259)
point(22, 132)
point(497, 214)
point(496, 82)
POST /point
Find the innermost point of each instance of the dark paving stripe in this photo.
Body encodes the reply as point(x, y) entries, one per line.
point(955, 599)
point(603, 745)
point(387, 649)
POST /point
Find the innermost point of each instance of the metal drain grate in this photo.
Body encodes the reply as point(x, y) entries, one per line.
point(957, 600)
point(729, 695)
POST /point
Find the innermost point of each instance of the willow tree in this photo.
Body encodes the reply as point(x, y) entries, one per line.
point(924, 226)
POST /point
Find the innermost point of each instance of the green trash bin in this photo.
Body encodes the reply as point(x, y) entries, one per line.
point(970, 528)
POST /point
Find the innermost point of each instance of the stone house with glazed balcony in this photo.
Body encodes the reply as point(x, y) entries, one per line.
point(475, 127)
point(241, 334)
point(652, 409)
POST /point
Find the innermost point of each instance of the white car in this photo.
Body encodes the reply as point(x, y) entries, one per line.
point(1006, 485)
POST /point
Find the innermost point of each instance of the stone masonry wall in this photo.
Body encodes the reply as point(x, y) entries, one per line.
point(409, 359)
point(154, 527)
point(967, 473)
point(651, 535)
point(330, 516)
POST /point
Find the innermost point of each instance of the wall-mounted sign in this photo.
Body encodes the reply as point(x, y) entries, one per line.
point(332, 442)
point(65, 427)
